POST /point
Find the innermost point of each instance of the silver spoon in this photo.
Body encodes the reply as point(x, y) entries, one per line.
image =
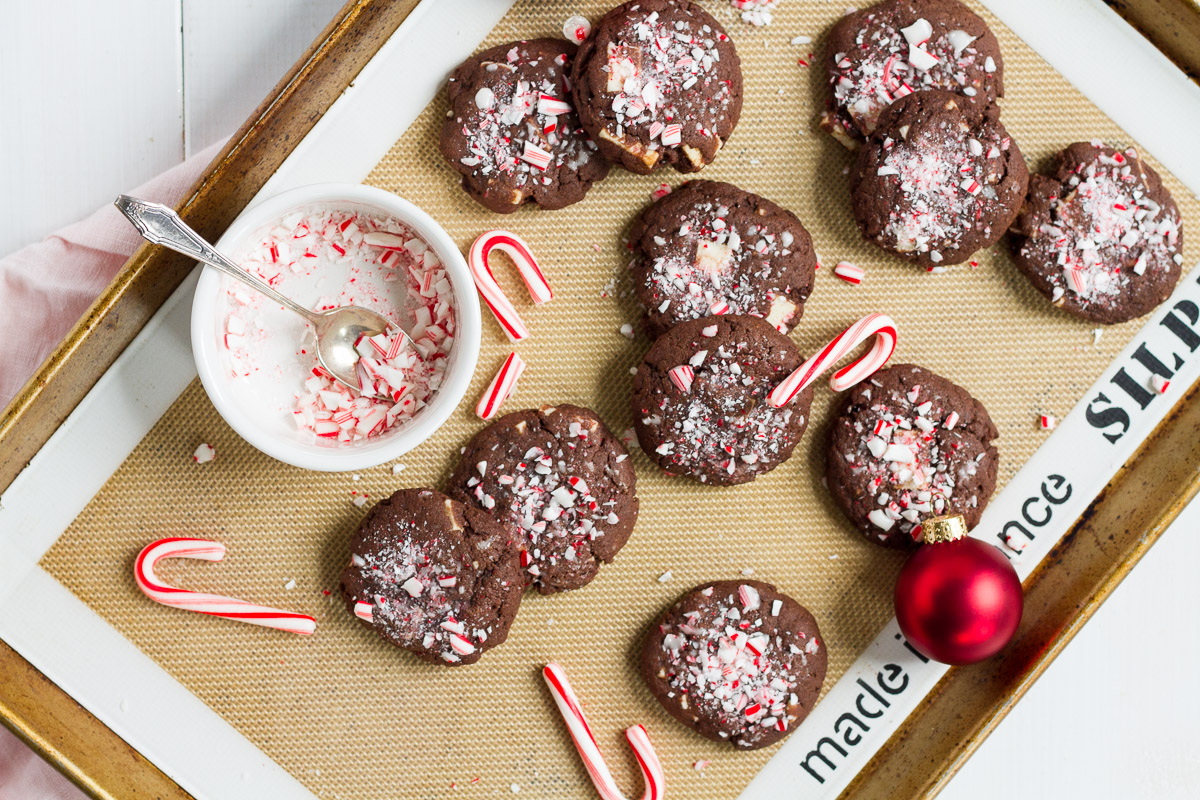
point(337, 329)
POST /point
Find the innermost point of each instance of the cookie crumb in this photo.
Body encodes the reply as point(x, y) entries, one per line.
point(204, 454)
point(398, 468)
point(666, 576)
point(291, 584)
point(626, 330)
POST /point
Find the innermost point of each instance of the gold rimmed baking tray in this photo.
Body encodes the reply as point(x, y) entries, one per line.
point(964, 706)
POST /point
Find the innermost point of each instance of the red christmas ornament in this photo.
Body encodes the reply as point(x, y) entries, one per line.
point(958, 600)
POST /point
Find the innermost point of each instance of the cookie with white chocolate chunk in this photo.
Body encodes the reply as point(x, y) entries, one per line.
point(934, 183)
point(512, 131)
point(658, 81)
point(876, 55)
point(1100, 236)
point(434, 577)
point(908, 445)
point(710, 248)
point(563, 481)
point(736, 661)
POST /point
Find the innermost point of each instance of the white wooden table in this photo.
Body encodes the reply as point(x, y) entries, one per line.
point(97, 97)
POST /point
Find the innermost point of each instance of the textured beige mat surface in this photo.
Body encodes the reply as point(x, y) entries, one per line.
point(352, 717)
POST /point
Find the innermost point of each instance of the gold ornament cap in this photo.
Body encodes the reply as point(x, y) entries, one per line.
point(950, 528)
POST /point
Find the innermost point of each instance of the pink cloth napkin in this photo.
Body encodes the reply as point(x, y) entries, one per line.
point(46, 287)
point(24, 776)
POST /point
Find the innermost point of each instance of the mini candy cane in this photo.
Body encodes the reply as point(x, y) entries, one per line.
point(501, 387)
point(879, 326)
point(214, 604)
point(522, 256)
point(589, 751)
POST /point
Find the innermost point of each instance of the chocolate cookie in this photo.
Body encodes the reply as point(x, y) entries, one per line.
point(700, 399)
point(434, 577)
point(895, 48)
point(1101, 237)
point(933, 185)
point(658, 80)
point(736, 661)
point(908, 445)
point(512, 132)
point(563, 480)
point(711, 248)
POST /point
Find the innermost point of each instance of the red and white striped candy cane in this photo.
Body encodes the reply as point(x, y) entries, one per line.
point(214, 604)
point(879, 326)
point(589, 751)
point(516, 249)
point(501, 387)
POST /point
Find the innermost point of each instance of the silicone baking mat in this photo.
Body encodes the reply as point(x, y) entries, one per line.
point(352, 717)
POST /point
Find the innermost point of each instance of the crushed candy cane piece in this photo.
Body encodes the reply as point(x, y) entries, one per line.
point(396, 376)
point(850, 273)
point(501, 388)
point(576, 28)
point(755, 12)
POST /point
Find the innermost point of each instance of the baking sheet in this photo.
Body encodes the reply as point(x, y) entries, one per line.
point(327, 706)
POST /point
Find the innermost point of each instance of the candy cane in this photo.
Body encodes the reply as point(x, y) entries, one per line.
point(501, 386)
point(522, 256)
point(214, 604)
point(589, 751)
point(879, 326)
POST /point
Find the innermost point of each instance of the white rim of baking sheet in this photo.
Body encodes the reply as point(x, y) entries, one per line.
point(80, 652)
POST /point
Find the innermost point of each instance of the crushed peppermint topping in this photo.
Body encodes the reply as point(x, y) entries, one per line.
point(914, 456)
point(1104, 231)
point(944, 186)
point(552, 479)
point(395, 380)
point(420, 586)
point(723, 425)
point(521, 123)
point(663, 80)
point(735, 665)
point(700, 262)
point(890, 62)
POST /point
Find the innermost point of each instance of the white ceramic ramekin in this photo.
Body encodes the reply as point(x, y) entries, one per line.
point(262, 424)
